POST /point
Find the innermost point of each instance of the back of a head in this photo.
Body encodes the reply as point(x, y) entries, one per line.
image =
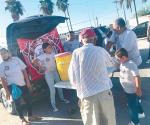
point(88, 34)
point(120, 22)
point(121, 52)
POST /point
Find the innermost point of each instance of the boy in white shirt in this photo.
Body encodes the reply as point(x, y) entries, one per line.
point(130, 81)
point(46, 63)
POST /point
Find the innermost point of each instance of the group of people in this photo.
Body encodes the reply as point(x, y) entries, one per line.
point(87, 72)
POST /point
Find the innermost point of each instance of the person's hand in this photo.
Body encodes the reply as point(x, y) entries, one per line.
point(8, 95)
point(138, 92)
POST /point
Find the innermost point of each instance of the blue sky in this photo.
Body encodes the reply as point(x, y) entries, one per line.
point(82, 12)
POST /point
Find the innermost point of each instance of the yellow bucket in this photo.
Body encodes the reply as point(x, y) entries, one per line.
point(62, 63)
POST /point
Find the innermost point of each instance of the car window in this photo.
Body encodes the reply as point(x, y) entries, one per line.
point(141, 25)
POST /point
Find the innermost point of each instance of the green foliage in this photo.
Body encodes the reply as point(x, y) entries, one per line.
point(14, 6)
point(47, 7)
point(62, 5)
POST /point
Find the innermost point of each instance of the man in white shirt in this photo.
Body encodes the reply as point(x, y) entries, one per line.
point(125, 38)
point(13, 71)
point(88, 73)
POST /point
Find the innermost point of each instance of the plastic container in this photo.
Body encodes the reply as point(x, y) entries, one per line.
point(62, 63)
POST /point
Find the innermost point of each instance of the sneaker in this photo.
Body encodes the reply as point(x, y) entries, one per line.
point(55, 110)
point(64, 101)
point(131, 123)
point(141, 115)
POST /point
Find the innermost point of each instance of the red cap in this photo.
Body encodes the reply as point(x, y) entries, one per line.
point(87, 32)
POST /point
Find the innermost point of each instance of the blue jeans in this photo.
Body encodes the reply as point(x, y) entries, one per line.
point(134, 107)
point(51, 78)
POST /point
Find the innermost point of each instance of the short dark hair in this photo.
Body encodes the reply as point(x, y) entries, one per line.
point(120, 22)
point(3, 49)
point(121, 52)
point(45, 45)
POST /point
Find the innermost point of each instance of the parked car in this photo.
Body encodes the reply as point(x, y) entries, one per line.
point(141, 29)
point(28, 30)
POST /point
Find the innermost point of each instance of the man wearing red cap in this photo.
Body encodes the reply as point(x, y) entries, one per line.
point(88, 73)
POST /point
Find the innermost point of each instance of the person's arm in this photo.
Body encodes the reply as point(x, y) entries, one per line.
point(26, 78)
point(109, 45)
point(110, 61)
point(111, 42)
point(71, 70)
point(138, 85)
point(4, 81)
point(136, 76)
point(5, 86)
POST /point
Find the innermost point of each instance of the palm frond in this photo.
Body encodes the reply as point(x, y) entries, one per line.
point(62, 5)
point(47, 7)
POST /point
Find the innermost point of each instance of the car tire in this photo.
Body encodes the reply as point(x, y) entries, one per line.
point(8, 105)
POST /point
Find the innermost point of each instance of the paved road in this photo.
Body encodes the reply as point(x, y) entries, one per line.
point(62, 118)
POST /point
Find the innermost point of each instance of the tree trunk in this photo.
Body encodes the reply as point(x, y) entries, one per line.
point(69, 19)
point(15, 17)
point(67, 22)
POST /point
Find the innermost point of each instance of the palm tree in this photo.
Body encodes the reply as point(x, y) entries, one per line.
point(15, 8)
point(47, 7)
point(128, 5)
point(63, 6)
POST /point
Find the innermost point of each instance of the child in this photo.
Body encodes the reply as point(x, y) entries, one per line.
point(130, 81)
point(47, 64)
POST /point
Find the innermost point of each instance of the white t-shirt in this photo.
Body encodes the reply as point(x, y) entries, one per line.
point(12, 71)
point(48, 61)
point(128, 40)
point(127, 72)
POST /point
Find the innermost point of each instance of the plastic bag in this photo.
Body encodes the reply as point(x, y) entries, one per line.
point(16, 92)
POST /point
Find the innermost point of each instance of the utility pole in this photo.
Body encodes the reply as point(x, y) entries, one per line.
point(69, 17)
point(136, 12)
point(96, 21)
point(67, 22)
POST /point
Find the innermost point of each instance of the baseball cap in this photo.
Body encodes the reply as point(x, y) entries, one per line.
point(87, 32)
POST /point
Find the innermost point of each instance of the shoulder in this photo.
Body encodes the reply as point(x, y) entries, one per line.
point(15, 59)
point(131, 65)
point(131, 33)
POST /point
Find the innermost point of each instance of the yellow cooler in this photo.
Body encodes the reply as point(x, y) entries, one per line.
point(62, 63)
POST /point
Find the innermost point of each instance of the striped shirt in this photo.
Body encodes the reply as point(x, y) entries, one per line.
point(88, 70)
